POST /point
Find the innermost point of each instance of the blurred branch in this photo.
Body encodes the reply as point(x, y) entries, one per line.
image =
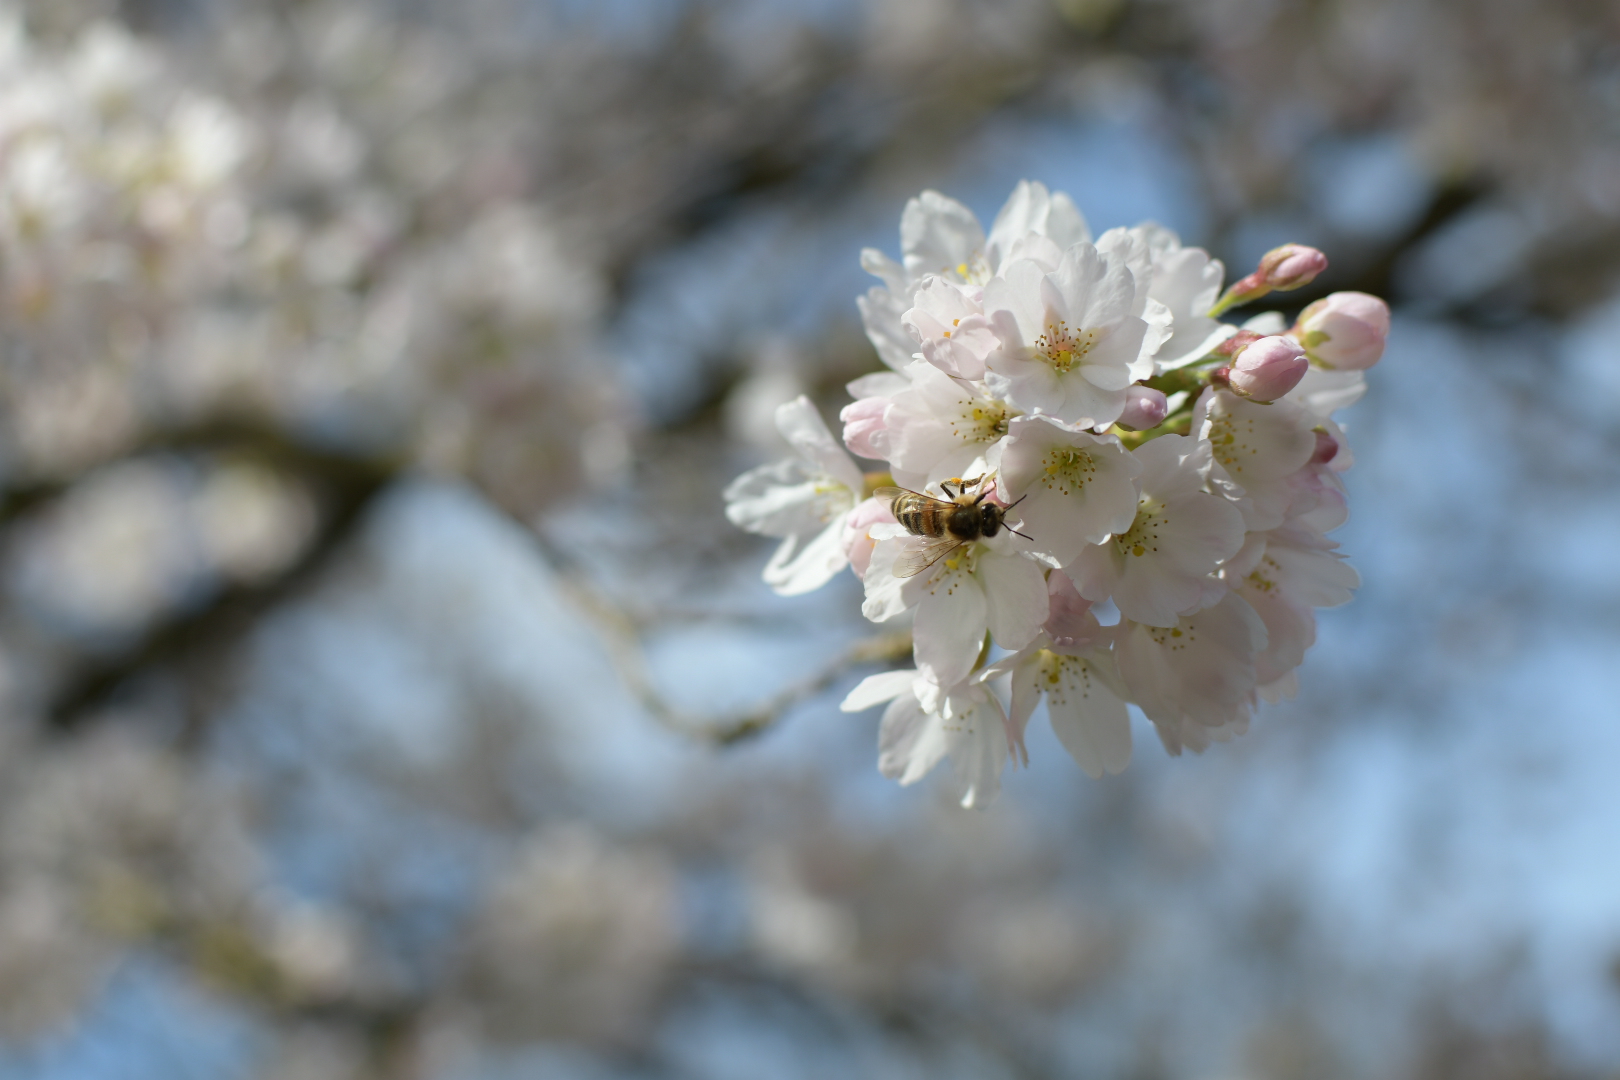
point(630, 658)
point(345, 485)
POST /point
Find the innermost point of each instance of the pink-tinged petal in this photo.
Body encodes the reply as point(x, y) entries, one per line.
point(1259, 447)
point(1069, 622)
point(1196, 681)
point(866, 428)
point(1267, 369)
point(1346, 330)
point(858, 542)
point(1144, 408)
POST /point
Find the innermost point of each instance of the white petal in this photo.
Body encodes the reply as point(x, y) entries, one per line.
point(1089, 719)
point(951, 620)
point(875, 689)
point(1015, 598)
point(878, 384)
point(792, 574)
point(1076, 487)
point(938, 235)
point(979, 752)
point(779, 500)
point(880, 314)
point(910, 741)
point(801, 425)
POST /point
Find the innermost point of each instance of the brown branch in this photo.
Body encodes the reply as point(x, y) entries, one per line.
point(345, 485)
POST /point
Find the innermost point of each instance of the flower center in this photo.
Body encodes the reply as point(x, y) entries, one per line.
point(1233, 441)
point(1067, 469)
point(975, 271)
point(1064, 348)
point(1173, 638)
point(832, 499)
point(1143, 535)
point(1061, 676)
point(1259, 581)
point(980, 420)
point(951, 571)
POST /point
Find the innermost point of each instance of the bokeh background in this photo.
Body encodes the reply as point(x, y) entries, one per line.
point(384, 695)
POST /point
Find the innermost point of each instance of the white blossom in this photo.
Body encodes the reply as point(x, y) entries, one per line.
point(805, 501)
point(1162, 566)
point(1117, 444)
point(940, 426)
point(1073, 488)
point(1069, 339)
point(1084, 695)
point(1196, 679)
point(982, 587)
point(1258, 446)
point(926, 722)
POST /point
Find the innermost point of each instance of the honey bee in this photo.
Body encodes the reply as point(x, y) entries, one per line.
point(949, 524)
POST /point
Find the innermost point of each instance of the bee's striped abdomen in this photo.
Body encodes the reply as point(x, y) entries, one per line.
point(918, 516)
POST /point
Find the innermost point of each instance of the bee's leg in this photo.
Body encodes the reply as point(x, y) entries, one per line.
point(945, 486)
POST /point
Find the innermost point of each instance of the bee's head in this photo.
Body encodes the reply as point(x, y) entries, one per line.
point(989, 518)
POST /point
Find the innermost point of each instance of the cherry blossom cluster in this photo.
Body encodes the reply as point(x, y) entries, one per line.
point(1173, 472)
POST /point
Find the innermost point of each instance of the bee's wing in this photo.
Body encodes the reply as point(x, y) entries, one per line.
point(916, 560)
point(890, 494)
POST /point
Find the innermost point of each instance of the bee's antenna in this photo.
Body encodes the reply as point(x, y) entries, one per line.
point(1014, 503)
point(1026, 536)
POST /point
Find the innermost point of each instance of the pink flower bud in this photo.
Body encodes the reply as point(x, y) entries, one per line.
point(1268, 369)
point(1237, 343)
point(1344, 330)
point(858, 543)
point(1281, 268)
point(1144, 408)
point(1291, 266)
point(866, 428)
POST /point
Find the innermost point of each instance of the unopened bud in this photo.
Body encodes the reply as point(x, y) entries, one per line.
point(1281, 269)
point(1268, 369)
point(1237, 343)
point(1344, 330)
point(1291, 266)
point(1145, 408)
point(866, 428)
